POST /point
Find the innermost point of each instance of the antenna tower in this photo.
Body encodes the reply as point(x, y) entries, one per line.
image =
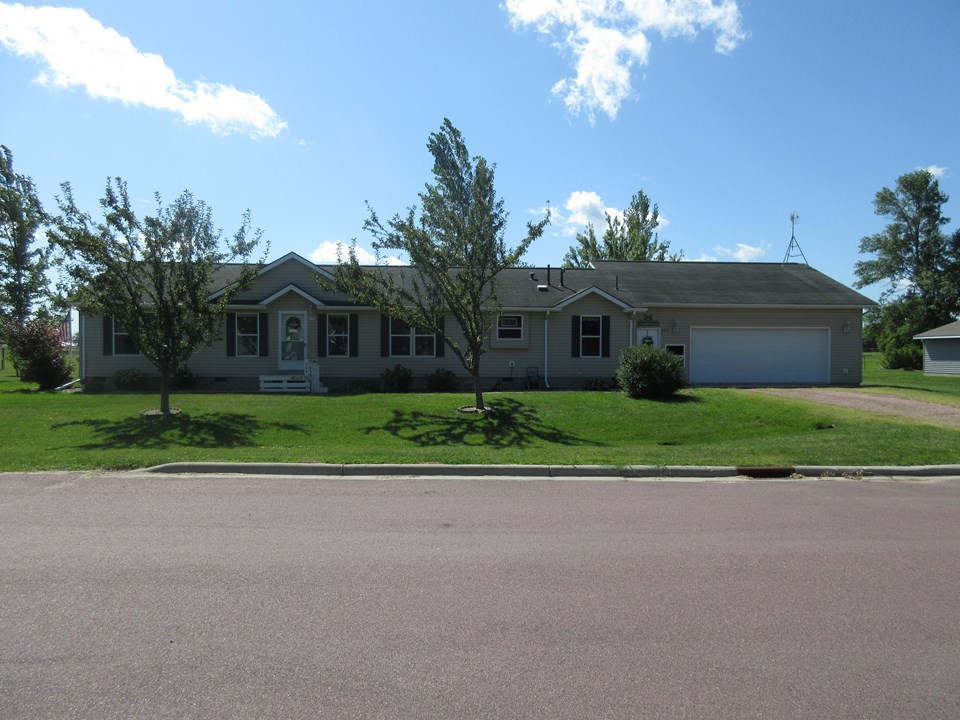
point(793, 249)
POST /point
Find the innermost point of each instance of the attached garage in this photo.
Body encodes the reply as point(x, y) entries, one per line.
point(759, 355)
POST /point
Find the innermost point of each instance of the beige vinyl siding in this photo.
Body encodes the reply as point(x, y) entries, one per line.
point(288, 273)
point(941, 357)
point(97, 365)
point(571, 372)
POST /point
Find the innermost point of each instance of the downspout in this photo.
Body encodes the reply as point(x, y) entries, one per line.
point(546, 350)
point(633, 325)
point(83, 345)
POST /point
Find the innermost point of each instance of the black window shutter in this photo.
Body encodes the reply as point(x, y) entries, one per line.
point(264, 335)
point(231, 334)
point(575, 334)
point(605, 336)
point(438, 343)
point(321, 335)
point(107, 335)
point(384, 336)
point(353, 326)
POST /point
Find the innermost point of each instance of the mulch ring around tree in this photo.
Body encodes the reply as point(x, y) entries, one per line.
point(159, 413)
point(489, 409)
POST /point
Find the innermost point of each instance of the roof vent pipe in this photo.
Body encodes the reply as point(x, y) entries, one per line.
point(533, 276)
point(548, 274)
point(561, 277)
point(617, 280)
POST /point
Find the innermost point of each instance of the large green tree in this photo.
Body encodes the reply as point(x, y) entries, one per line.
point(153, 274)
point(23, 264)
point(916, 259)
point(630, 236)
point(455, 245)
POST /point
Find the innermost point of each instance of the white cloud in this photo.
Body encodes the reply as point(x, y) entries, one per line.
point(329, 253)
point(582, 207)
point(78, 51)
point(936, 170)
point(742, 252)
point(609, 37)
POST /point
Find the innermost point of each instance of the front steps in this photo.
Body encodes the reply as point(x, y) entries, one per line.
point(289, 384)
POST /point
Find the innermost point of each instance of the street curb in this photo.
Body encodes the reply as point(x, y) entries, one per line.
point(339, 470)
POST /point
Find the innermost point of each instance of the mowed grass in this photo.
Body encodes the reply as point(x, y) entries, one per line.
point(909, 383)
point(699, 427)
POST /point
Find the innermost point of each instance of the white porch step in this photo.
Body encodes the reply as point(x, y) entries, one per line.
point(288, 384)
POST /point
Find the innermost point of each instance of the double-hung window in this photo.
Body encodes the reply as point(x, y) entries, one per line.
point(591, 333)
point(123, 343)
point(338, 335)
point(248, 334)
point(407, 341)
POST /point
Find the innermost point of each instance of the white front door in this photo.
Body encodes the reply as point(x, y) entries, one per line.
point(293, 340)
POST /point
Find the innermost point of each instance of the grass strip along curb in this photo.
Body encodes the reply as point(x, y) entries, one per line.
point(549, 471)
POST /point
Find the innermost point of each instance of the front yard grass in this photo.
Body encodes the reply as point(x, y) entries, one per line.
point(909, 383)
point(700, 427)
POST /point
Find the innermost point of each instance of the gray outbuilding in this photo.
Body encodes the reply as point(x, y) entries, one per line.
point(941, 349)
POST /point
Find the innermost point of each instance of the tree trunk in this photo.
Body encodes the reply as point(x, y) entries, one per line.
point(165, 393)
point(477, 389)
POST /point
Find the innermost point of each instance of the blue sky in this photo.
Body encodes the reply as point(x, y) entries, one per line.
point(729, 115)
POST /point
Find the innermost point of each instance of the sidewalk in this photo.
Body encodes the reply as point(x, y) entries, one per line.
point(560, 472)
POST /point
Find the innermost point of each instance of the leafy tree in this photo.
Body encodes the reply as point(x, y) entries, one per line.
point(23, 283)
point(918, 260)
point(153, 275)
point(455, 245)
point(39, 354)
point(630, 237)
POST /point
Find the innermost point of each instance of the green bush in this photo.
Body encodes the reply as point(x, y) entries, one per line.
point(599, 384)
point(130, 380)
point(645, 371)
point(360, 386)
point(905, 357)
point(441, 380)
point(184, 378)
point(39, 356)
point(397, 379)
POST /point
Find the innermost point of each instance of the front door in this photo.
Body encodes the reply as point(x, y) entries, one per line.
point(293, 340)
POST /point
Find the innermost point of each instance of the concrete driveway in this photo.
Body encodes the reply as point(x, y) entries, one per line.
point(180, 597)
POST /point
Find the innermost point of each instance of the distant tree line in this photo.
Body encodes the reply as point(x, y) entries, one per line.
point(920, 263)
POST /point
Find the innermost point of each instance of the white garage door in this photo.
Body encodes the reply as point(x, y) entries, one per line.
point(759, 355)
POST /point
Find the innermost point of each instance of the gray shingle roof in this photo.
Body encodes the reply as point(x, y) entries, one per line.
point(950, 330)
point(649, 284)
point(645, 284)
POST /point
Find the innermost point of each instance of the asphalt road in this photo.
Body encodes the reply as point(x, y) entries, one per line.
point(245, 597)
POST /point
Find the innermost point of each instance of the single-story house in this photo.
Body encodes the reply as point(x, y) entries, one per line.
point(730, 323)
point(941, 349)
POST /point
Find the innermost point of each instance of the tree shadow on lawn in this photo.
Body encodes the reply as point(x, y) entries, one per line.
point(510, 425)
point(210, 430)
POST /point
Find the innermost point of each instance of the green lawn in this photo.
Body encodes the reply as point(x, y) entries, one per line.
point(701, 427)
point(909, 383)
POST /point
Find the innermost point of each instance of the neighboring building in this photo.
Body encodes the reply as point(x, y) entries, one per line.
point(941, 349)
point(731, 323)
